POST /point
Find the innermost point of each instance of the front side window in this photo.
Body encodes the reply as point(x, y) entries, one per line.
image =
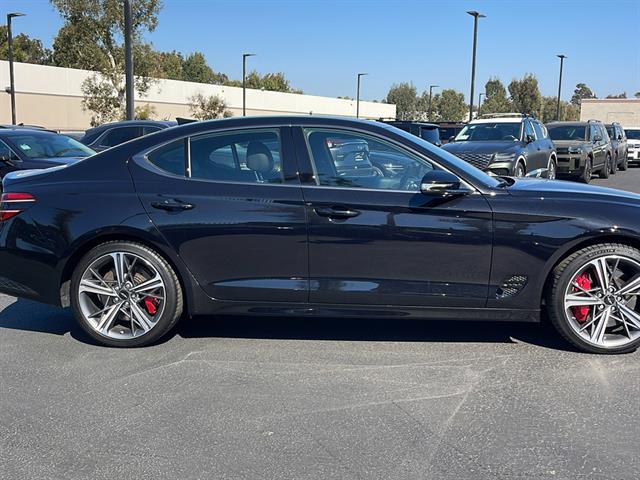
point(593, 131)
point(246, 156)
point(489, 132)
point(116, 136)
point(528, 130)
point(539, 131)
point(354, 160)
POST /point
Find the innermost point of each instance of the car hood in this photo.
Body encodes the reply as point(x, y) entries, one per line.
point(503, 146)
point(568, 190)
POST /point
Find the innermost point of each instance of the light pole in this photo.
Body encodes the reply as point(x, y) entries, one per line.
point(128, 60)
point(358, 95)
point(10, 55)
point(476, 16)
point(244, 82)
point(431, 87)
point(561, 57)
point(480, 95)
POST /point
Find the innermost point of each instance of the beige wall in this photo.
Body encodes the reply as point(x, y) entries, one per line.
point(625, 111)
point(52, 97)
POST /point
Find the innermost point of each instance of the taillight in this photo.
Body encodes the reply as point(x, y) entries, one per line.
point(13, 203)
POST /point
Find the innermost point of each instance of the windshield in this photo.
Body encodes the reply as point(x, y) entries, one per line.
point(469, 170)
point(490, 132)
point(633, 134)
point(567, 132)
point(50, 145)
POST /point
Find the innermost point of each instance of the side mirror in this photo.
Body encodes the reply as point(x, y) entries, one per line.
point(619, 137)
point(452, 138)
point(597, 138)
point(529, 138)
point(439, 181)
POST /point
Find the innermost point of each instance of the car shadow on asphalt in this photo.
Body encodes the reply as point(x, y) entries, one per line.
point(35, 317)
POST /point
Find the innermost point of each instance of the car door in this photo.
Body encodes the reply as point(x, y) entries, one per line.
point(535, 156)
point(599, 145)
point(231, 206)
point(544, 145)
point(376, 240)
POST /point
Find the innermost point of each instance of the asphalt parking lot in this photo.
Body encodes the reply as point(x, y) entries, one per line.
point(310, 398)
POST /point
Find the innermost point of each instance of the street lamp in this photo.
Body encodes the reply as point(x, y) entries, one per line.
point(128, 60)
point(358, 95)
point(10, 55)
point(244, 81)
point(480, 95)
point(476, 16)
point(431, 87)
point(561, 57)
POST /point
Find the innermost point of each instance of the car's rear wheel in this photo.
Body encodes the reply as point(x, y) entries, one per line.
point(606, 168)
point(125, 295)
point(614, 166)
point(587, 172)
point(594, 298)
point(625, 164)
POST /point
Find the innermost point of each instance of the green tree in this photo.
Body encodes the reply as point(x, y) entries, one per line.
point(450, 106)
point(525, 95)
point(91, 38)
point(550, 110)
point(169, 65)
point(637, 94)
point(25, 49)
point(274, 82)
point(405, 97)
point(619, 95)
point(496, 100)
point(145, 112)
point(208, 108)
point(196, 69)
point(581, 91)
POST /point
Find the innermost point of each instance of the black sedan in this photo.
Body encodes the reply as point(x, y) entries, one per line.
point(24, 148)
point(251, 216)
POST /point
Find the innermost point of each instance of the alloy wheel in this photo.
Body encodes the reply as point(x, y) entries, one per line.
point(551, 172)
point(602, 301)
point(121, 295)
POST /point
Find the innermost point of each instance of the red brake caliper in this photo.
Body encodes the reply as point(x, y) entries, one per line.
point(581, 313)
point(151, 304)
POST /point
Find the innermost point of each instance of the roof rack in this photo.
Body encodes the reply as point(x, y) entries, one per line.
point(503, 115)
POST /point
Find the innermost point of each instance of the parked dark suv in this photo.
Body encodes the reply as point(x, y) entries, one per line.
point(618, 147)
point(449, 130)
point(506, 145)
point(111, 134)
point(427, 131)
point(583, 148)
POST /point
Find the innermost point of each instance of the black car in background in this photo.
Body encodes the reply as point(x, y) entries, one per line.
point(507, 144)
point(618, 147)
point(449, 130)
point(427, 131)
point(583, 148)
point(251, 215)
point(24, 148)
point(111, 134)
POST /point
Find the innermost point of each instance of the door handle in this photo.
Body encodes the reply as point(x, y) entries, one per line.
point(172, 205)
point(335, 212)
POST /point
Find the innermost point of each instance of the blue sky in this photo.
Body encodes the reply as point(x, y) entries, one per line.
point(322, 44)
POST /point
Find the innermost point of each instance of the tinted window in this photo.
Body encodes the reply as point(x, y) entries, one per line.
point(539, 130)
point(249, 156)
point(170, 158)
point(116, 136)
point(567, 132)
point(603, 132)
point(611, 130)
point(5, 151)
point(633, 134)
point(148, 130)
point(50, 145)
point(593, 131)
point(354, 160)
point(528, 130)
point(488, 132)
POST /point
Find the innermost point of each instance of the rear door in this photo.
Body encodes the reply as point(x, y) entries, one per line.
point(231, 206)
point(543, 142)
point(536, 158)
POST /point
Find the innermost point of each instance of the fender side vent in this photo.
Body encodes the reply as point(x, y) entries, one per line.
point(511, 286)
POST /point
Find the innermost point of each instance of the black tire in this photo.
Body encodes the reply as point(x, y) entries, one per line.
point(173, 302)
point(625, 164)
point(562, 275)
point(520, 170)
point(614, 166)
point(587, 171)
point(606, 168)
point(552, 172)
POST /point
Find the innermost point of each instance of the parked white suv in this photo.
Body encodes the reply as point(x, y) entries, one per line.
point(633, 144)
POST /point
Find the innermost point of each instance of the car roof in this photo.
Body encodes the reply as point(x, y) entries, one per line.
point(133, 123)
point(410, 122)
point(498, 120)
point(22, 130)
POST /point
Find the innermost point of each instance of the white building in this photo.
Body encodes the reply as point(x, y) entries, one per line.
point(52, 97)
point(625, 111)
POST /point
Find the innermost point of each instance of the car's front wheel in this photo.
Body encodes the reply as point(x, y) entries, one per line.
point(124, 294)
point(625, 163)
point(606, 168)
point(593, 299)
point(587, 172)
point(552, 169)
point(614, 166)
point(520, 170)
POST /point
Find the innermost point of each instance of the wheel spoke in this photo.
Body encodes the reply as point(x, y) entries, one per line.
point(602, 272)
point(89, 286)
point(119, 267)
point(600, 327)
point(140, 317)
point(148, 285)
point(107, 318)
point(630, 287)
point(630, 317)
point(580, 300)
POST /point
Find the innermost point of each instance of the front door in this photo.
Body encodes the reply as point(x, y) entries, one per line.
point(374, 239)
point(232, 208)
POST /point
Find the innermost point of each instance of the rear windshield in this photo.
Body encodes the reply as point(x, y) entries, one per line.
point(633, 134)
point(567, 132)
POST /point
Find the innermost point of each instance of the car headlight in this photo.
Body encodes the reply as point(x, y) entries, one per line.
point(504, 157)
point(575, 150)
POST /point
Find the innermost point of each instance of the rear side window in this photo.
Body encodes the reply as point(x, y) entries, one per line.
point(170, 158)
point(116, 136)
point(148, 130)
point(246, 156)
